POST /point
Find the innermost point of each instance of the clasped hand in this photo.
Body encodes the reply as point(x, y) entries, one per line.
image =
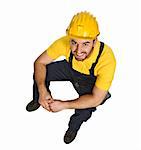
point(53, 105)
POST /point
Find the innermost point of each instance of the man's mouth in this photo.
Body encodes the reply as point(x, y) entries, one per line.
point(79, 55)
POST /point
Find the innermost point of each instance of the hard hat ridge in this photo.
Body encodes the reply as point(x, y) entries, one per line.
point(83, 25)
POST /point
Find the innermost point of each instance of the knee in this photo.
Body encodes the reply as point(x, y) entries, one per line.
point(87, 115)
point(84, 114)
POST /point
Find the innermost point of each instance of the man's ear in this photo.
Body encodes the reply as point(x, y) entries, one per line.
point(94, 41)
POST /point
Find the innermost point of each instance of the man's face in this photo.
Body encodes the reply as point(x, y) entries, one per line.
point(81, 48)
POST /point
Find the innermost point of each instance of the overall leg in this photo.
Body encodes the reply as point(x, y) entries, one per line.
point(56, 71)
point(80, 115)
point(83, 85)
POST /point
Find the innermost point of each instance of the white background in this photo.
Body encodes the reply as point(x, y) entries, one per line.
point(27, 28)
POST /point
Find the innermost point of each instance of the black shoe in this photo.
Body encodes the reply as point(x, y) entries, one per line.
point(69, 136)
point(33, 105)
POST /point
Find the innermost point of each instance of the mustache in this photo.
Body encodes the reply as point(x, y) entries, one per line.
point(80, 53)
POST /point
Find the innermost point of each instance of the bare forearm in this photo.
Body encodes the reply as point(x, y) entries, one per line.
point(40, 74)
point(85, 101)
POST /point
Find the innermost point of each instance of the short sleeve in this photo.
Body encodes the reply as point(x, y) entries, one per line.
point(106, 70)
point(58, 48)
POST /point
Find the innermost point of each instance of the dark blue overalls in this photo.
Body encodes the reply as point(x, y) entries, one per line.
point(83, 84)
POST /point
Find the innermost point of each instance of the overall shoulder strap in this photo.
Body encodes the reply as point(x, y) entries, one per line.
point(70, 58)
point(99, 54)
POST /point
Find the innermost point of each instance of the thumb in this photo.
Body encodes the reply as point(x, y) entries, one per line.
point(50, 101)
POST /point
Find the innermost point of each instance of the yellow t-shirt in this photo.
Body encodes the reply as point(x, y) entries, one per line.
point(104, 69)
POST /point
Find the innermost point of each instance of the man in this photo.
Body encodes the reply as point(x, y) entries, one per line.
point(89, 66)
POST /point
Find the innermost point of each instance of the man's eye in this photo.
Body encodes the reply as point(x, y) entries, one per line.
point(73, 43)
point(85, 44)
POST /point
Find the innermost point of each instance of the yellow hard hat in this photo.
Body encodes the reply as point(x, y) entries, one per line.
point(83, 25)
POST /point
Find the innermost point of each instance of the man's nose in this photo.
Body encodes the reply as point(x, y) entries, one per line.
point(78, 49)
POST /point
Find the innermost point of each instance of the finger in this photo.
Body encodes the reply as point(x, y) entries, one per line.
point(48, 97)
point(51, 107)
point(46, 106)
point(51, 110)
point(50, 101)
point(43, 105)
